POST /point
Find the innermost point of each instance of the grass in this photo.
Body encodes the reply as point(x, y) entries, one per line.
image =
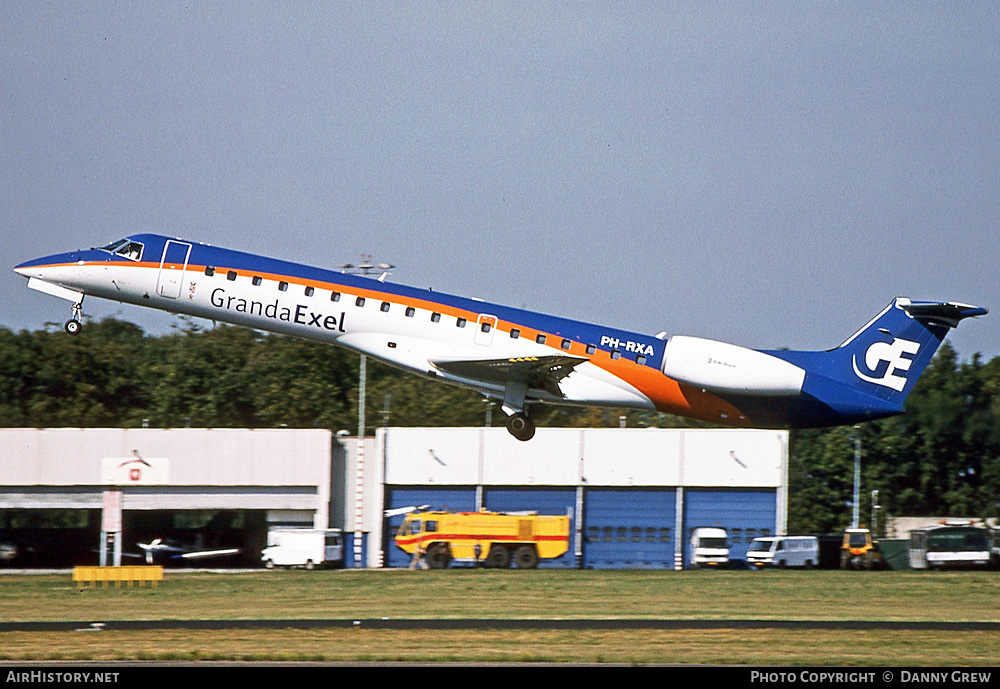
point(541, 594)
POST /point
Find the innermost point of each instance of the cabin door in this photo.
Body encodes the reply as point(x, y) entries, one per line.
point(173, 264)
point(485, 326)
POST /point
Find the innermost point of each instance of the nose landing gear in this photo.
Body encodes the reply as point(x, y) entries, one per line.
point(74, 324)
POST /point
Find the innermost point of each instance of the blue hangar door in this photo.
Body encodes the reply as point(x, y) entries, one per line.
point(744, 514)
point(629, 528)
point(450, 499)
point(557, 501)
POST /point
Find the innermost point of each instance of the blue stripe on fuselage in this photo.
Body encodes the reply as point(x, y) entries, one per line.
point(576, 331)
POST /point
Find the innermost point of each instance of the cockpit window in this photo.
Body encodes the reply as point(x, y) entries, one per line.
point(130, 250)
point(114, 245)
point(125, 248)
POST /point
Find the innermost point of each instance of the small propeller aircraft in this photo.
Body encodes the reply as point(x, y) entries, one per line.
point(518, 357)
point(160, 551)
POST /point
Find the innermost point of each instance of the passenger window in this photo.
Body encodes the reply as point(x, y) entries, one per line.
point(310, 291)
point(257, 280)
point(460, 322)
point(615, 354)
point(514, 333)
point(591, 349)
point(640, 359)
point(360, 301)
point(485, 327)
point(540, 339)
point(231, 275)
point(565, 344)
point(385, 307)
point(283, 286)
point(410, 311)
point(334, 296)
point(435, 317)
point(209, 271)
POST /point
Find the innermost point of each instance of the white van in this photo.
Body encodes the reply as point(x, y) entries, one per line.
point(709, 547)
point(784, 551)
point(307, 548)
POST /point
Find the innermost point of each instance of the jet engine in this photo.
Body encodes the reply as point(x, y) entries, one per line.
point(721, 367)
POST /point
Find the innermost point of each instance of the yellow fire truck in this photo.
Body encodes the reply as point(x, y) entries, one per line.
point(859, 550)
point(492, 539)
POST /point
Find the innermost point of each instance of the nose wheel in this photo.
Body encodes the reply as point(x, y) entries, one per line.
point(74, 324)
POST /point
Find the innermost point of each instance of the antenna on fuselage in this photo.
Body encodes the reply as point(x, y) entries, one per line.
point(366, 267)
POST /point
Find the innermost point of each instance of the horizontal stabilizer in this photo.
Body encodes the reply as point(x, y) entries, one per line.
point(942, 313)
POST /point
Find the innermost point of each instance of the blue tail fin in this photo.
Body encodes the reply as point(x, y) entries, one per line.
point(870, 375)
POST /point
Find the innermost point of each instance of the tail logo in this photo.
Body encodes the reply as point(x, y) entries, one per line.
point(892, 354)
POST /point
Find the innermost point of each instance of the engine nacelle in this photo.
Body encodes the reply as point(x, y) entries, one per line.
point(724, 367)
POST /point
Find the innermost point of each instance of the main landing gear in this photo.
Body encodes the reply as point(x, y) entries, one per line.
point(521, 426)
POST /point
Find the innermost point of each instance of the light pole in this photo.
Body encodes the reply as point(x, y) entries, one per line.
point(363, 268)
point(359, 472)
point(875, 507)
point(856, 516)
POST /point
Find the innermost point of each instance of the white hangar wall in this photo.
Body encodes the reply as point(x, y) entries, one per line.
point(565, 456)
point(281, 470)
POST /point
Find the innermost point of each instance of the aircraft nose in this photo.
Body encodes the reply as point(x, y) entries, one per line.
point(23, 268)
point(30, 268)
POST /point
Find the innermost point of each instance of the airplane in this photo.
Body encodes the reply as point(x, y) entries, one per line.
point(161, 550)
point(515, 356)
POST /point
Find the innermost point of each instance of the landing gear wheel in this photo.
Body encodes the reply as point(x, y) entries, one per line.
point(74, 324)
point(520, 426)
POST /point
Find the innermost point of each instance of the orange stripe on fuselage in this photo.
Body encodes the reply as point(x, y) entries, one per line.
point(666, 394)
point(670, 396)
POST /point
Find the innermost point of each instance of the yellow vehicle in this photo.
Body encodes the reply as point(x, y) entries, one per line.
point(492, 539)
point(859, 550)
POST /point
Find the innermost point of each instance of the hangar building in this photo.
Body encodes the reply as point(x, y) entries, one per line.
point(632, 494)
point(169, 481)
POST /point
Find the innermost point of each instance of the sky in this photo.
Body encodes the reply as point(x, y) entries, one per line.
point(769, 174)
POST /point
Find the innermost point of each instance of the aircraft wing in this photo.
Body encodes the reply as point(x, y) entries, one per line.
point(540, 372)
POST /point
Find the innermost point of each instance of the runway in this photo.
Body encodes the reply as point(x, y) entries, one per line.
point(482, 624)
